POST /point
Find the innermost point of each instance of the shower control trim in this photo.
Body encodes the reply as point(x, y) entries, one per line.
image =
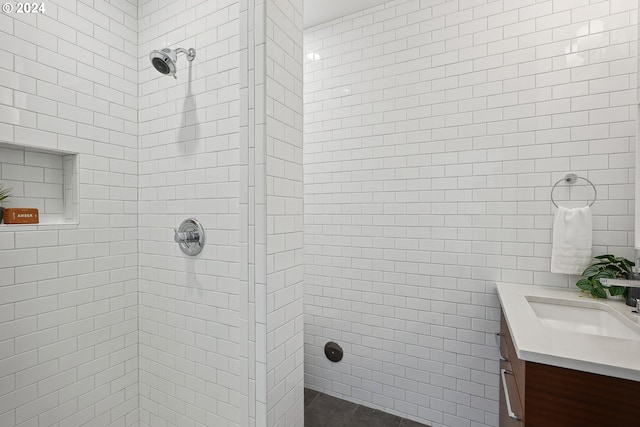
point(190, 236)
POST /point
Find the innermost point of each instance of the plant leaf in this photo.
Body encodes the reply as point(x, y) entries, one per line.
point(627, 264)
point(606, 273)
point(584, 284)
point(615, 266)
point(599, 292)
point(591, 271)
point(616, 290)
point(609, 257)
point(5, 193)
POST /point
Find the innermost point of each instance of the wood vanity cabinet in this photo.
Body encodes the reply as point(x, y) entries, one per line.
point(548, 396)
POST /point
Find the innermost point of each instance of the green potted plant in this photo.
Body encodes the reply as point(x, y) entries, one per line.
point(5, 193)
point(609, 267)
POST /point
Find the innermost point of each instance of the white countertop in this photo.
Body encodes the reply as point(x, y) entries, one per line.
point(615, 357)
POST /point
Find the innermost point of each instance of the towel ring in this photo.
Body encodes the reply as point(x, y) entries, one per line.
point(571, 178)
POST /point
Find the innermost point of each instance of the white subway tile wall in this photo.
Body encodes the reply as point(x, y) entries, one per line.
point(68, 293)
point(434, 131)
point(271, 269)
point(282, 151)
point(253, 210)
point(190, 373)
point(248, 349)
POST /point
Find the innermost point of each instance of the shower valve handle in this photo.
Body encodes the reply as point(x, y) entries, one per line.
point(190, 236)
point(185, 236)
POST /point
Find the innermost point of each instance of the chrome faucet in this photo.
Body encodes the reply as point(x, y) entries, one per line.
point(620, 282)
point(633, 281)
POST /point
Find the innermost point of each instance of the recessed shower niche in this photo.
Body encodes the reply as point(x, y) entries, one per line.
point(43, 179)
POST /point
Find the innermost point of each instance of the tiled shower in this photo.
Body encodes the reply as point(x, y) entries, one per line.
point(105, 322)
point(433, 131)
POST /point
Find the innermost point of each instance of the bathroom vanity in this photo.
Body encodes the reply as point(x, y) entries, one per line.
point(566, 360)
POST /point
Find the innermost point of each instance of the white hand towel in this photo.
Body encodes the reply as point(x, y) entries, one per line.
point(572, 240)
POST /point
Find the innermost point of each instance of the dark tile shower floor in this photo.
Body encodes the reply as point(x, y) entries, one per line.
point(321, 410)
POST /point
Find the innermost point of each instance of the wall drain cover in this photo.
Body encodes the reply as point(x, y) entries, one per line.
point(333, 351)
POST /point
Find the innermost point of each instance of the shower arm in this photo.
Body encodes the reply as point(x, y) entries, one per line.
point(191, 53)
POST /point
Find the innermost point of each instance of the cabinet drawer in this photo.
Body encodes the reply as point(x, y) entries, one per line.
point(509, 398)
point(503, 337)
point(517, 366)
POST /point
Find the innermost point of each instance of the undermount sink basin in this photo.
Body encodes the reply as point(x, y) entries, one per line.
point(583, 317)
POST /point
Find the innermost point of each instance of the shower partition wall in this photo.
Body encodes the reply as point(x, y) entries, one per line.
point(271, 209)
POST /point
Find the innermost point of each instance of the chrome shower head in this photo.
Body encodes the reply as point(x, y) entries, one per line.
point(165, 60)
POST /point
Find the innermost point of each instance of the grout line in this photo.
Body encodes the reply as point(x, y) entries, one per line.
point(315, 398)
point(353, 413)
